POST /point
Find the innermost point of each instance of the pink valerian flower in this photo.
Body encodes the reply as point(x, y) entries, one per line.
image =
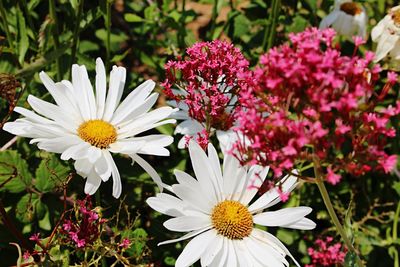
point(307, 101)
point(326, 253)
point(85, 227)
point(35, 237)
point(26, 255)
point(126, 243)
point(205, 85)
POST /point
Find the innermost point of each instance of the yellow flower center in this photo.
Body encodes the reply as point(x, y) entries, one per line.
point(396, 17)
point(232, 220)
point(98, 133)
point(351, 9)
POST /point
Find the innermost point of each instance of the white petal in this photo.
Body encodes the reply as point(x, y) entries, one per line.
point(303, 224)
point(189, 127)
point(93, 182)
point(194, 249)
point(212, 251)
point(231, 257)
point(194, 198)
point(379, 28)
point(280, 217)
point(116, 87)
point(186, 179)
point(58, 144)
point(256, 176)
point(386, 43)
point(53, 112)
point(77, 151)
point(262, 253)
point(136, 103)
point(203, 171)
point(80, 83)
point(271, 197)
point(155, 144)
point(117, 186)
point(126, 146)
point(328, 20)
point(234, 177)
point(83, 167)
point(187, 236)
point(101, 87)
point(216, 167)
point(166, 204)
point(188, 223)
point(149, 169)
point(102, 168)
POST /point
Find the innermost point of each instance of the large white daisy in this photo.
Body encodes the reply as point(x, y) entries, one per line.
point(86, 126)
point(215, 210)
point(347, 18)
point(387, 34)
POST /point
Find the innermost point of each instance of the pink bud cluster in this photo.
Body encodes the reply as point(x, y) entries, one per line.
point(307, 101)
point(209, 79)
point(326, 253)
point(84, 228)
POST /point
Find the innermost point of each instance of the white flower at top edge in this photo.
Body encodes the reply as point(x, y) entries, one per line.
point(214, 209)
point(86, 126)
point(347, 18)
point(387, 34)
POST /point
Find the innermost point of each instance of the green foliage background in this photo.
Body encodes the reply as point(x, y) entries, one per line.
point(142, 36)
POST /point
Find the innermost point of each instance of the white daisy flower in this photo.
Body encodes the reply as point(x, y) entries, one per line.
point(216, 212)
point(87, 126)
point(387, 34)
point(347, 18)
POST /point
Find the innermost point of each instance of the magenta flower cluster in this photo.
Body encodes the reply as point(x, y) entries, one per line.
point(326, 253)
point(84, 228)
point(307, 101)
point(209, 79)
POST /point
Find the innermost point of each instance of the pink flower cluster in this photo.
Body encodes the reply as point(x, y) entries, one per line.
point(326, 253)
point(84, 229)
point(307, 101)
point(209, 79)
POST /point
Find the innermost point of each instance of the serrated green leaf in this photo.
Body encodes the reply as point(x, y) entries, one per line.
point(23, 40)
point(25, 211)
point(49, 174)
point(15, 169)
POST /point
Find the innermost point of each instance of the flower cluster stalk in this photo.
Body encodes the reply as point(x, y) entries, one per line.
point(328, 204)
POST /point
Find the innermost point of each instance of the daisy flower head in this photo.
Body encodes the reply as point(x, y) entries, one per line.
point(204, 86)
point(216, 212)
point(87, 126)
point(347, 18)
point(387, 34)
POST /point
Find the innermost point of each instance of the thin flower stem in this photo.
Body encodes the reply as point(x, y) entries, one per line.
point(53, 16)
point(76, 31)
point(332, 213)
point(214, 18)
point(275, 13)
point(108, 28)
point(10, 38)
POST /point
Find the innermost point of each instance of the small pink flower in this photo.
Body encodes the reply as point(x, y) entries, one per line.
point(35, 237)
point(389, 163)
point(358, 40)
point(332, 177)
point(26, 255)
point(126, 243)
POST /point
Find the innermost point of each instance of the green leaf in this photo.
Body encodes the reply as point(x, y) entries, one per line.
point(138, 239)
point(50, 173)
point(396, 186)
point(350, 260)
point(25, 211)
point(23, 41)
point(14, 173)
point(147, 60)
point(241, 26)
point(129, 17)
point(298, 25)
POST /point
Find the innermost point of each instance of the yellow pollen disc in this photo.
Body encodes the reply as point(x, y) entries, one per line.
point(396, 17)
point(351, 8)
point(98, 133)
point(232, 220)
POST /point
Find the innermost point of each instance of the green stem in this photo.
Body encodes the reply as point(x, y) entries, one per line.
point(214, 18)
point(76, 31)
point(396, 221)
point(10, 38)
point(108, 28)
point(332, 213)
point(276, 4)
point(53, 16)
point(28, 16)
